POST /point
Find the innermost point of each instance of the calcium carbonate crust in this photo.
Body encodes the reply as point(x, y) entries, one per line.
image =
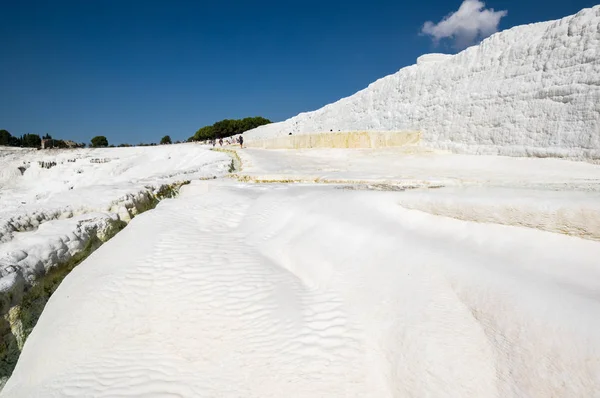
point(532, 90)
point(51, 218)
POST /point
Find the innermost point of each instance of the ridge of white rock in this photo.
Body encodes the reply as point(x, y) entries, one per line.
point(61, 184)
point(533, 90)
point(58, 206)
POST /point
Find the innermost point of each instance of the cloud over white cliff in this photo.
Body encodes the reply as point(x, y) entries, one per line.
point(466, 26)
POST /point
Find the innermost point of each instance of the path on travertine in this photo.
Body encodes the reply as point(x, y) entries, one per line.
point(242, 290)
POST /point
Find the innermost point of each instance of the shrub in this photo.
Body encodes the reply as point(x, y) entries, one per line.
point(99, 141)
point(165, 140)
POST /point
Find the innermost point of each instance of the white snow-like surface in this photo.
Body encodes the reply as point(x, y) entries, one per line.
point(48, 215)
point(76, 183)
point(278, 290)
point(418, 166)
point(575, 213)
point(532, 90)
point(548, 194)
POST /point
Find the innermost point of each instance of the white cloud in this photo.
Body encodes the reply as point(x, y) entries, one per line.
point(466, 26)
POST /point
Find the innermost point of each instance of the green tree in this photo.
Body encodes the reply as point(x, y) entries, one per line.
point(60, 144)
point(205, 133)
point(14, 141)
point(31, 141)
point(165, 140)
point(228, 127)
point(99, 141)
point(5, 137)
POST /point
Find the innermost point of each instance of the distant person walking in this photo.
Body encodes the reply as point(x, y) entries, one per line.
point(214, 142)
point(221, 141)
point(241, 141)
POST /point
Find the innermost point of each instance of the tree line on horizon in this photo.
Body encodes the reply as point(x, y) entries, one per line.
point(221, 129)
point(228, 127)
point(33, 141)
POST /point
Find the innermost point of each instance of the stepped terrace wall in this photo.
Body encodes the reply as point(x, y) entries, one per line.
point(340, 139)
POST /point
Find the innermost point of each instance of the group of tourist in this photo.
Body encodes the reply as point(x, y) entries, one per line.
point(46, 165)
point(229, 141)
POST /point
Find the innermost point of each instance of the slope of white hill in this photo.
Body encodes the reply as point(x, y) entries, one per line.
point(531, 90)
point(55, 185)
point(242, 290)
point(57, 206)
point(74, 174)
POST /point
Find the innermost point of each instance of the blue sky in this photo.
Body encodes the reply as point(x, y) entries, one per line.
point(137, 70)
